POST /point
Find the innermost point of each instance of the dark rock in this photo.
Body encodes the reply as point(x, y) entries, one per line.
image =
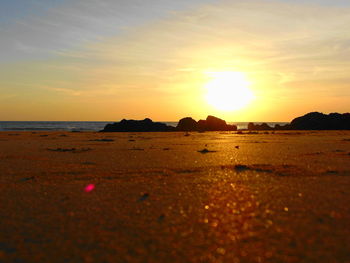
point(187, 124)
point(161, 218)
point(202, 125)
point(27, 179)
point(251, 126)
point(143, 197)
point(311, 121)
point(320, 121)
point(241, 167)
point(146, 125)
point(210, 124)
point(215, 124)
point(73, 150)
point(205, 150)
point(102, 140)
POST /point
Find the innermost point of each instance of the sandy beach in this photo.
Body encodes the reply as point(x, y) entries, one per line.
point(175, 197)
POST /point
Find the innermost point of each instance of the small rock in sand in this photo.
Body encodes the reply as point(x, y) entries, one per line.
point(205, 150)
point(144, 197)
point(241, 167)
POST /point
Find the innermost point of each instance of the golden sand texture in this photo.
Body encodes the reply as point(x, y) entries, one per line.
point(175, 197)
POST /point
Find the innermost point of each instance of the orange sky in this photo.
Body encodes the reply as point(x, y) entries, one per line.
point(295, 56)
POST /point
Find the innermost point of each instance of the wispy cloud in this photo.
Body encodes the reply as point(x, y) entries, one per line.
point(75, 23)
point(130, 50)
point(64, 90)
point(255, 36)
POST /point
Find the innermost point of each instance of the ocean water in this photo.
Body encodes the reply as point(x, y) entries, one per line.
point(52, 125)
point(83, 125)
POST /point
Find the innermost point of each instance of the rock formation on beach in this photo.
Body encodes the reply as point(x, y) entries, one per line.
point(215, 124)
point(186, 124)
point(311, 121)
point(210, 124)
point(320, 121)
point(146, 125)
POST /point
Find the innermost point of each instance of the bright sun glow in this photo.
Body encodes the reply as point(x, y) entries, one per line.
point(228, 91)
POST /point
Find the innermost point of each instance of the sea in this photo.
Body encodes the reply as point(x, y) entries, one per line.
point(85, 125)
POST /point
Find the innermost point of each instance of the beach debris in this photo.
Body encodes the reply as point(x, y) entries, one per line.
point(43, 135)
point(314, 153)
point(241, 167)
point(62, 149)
point(205, 150)
point(137, 149)
point(143, 197)
point(82, 150)
point(131, 140)
point(27, 179)
point(102, 140)
point(73, 150)
point(88, 163)
point(331, 172)
point(257, 168)
point(166, 149)
point(237, 146)
point(161, 218)
point(89, 188)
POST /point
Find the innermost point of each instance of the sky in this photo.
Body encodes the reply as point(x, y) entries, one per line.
point(112, 59)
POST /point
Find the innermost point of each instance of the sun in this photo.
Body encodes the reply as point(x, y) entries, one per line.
point(228, 91)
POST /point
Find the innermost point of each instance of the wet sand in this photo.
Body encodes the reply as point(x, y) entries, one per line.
point(169, 197)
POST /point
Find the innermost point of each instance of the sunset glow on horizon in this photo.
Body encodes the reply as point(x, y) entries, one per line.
point(253, 60)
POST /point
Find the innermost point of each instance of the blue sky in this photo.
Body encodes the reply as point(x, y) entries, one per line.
point(39, 28)
point(12, 10)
